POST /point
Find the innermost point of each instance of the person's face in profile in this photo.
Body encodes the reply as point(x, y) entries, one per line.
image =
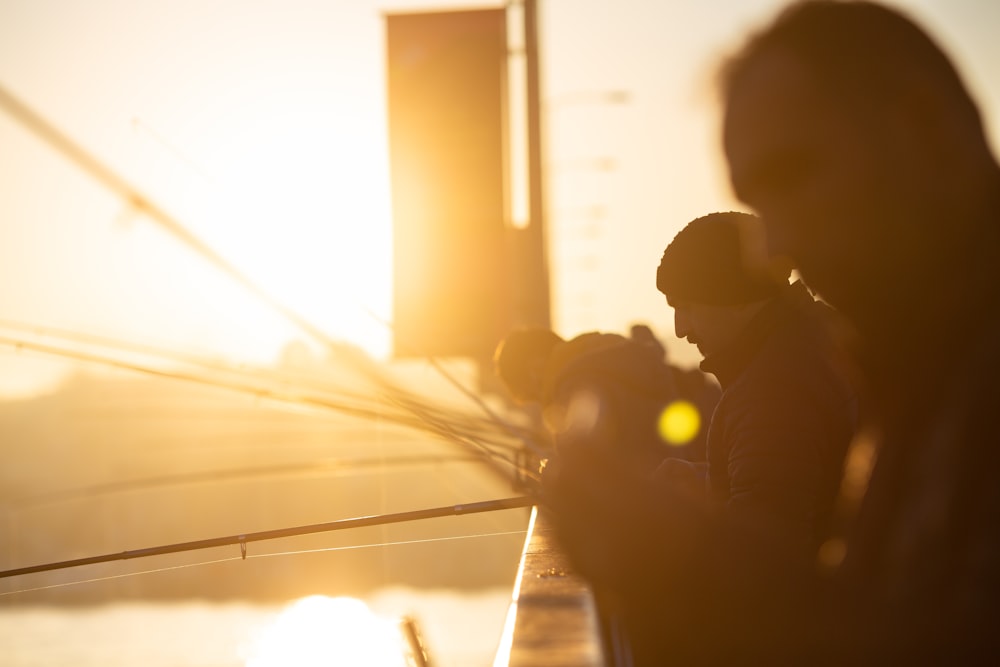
point(711, 328)
point(810, 173)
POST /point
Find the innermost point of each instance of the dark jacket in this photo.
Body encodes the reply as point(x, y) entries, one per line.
point(683, 575)
point(920, 578)
point(787, 413)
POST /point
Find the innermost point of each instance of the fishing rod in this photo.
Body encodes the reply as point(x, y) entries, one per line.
point(144, 204)
point(243, 370)
point(244, 539)
point(276, 385)
point(129, 193)
point(420, 421)
point(409, 404)
point(494, 418)
point(257, 391)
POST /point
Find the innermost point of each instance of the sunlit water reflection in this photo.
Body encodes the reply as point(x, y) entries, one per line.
point(459, 630)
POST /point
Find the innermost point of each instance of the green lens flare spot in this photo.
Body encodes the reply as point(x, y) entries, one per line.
point(679, 423)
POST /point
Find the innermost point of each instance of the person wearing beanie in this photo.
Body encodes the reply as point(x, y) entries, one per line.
point(788, 410)
point(775, 448)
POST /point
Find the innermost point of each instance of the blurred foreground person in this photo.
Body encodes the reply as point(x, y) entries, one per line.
point(852, 135)
point(775, 452)
point(603, 385)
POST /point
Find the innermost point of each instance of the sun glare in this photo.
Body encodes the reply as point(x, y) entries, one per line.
point(323, 631)
point(303, 209)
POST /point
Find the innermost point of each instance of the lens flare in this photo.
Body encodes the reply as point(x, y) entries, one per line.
point(679, 423)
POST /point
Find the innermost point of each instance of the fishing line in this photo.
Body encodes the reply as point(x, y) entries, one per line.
point(494, 417)
point(143, 204)
point(258, 392)
point(349, 547)
point(422, 423)
point(335, 468)
point(399, 398)
point(241, 370)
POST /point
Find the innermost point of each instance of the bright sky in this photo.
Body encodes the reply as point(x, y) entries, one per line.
point(260, 125)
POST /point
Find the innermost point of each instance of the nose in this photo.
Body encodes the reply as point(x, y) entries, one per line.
point(682, 324)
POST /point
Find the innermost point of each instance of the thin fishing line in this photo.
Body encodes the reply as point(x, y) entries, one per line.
point(494, 418)
point(446, 430)
point(243, 373)
point(411, 406)
point(46, 131)
point(258, 392)
point(349, 547)
point(66, 584)
point(140, 202)
point(241, 370)
point(424, 422)
point(140, 125)
point(336, 468)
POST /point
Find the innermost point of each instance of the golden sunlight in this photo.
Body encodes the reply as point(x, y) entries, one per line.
point(302, 208)
point(322, 631)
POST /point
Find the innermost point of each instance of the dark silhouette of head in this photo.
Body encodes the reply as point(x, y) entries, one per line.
point(642, 334)
point(851, 134)
point(520, 358)
point(707, 263)
point(715, 289)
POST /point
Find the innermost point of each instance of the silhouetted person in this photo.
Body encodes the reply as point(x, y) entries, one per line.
point(598, 390)
point(787, 412)
point(853, 136)
point(775, 446)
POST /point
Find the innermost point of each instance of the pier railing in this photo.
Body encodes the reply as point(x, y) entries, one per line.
point(553, 619)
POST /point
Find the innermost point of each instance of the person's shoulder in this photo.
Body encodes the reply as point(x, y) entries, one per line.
point(799, 365)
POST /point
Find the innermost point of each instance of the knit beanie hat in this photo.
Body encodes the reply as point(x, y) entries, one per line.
point(706, 264)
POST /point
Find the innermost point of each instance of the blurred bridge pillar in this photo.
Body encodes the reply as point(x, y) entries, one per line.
point(464, 275)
